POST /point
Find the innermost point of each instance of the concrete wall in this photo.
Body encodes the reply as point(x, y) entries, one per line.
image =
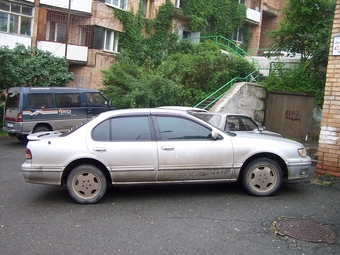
point(246, 98)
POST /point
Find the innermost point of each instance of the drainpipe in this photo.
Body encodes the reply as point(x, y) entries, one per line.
point(35, 25)
point(67, 26)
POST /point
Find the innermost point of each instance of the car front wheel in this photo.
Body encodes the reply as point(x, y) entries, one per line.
point(262, 177)
point(86, 184)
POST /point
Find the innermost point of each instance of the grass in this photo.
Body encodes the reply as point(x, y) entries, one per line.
point(2, 132)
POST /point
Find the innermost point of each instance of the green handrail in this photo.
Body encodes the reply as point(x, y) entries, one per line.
point(249, 78)
point(230, 46)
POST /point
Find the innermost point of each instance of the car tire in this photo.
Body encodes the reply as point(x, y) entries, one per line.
point(22, 138)
point(86, 184)
point(41, 129)
point(262, 177)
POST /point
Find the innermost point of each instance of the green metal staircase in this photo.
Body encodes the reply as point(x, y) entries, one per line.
point(229, 46)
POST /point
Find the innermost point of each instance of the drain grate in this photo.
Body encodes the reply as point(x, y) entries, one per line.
point(306, 230)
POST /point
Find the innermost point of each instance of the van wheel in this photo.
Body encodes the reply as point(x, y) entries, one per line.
point(86, 184)
point(41, 129)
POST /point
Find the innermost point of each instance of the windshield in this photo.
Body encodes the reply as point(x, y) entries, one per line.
point(76, 127)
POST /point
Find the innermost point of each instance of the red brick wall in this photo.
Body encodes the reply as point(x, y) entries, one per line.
point(329, 142)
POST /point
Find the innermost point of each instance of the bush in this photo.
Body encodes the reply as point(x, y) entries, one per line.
point(185, 77)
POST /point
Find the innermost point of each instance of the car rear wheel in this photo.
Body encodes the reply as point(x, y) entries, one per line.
point(86, 184)
point(262, 177)
point(41, 129)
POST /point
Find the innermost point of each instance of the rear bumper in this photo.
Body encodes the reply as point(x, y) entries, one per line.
point(50, 176)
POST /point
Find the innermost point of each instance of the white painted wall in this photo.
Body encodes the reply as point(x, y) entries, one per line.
point(10, 40)
point(74, 52)
point(77, 5)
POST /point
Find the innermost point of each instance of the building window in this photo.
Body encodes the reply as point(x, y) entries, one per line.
point(178, 4)
point(242, 2)
point(238, 35)
point(15, 18)
point(79, 33)
point(55, 32)
point(110, 41)
point(147, 6)
point(121, 4)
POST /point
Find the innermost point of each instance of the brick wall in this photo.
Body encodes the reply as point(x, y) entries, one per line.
point(329, 142)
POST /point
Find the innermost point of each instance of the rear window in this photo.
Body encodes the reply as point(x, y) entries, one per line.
point(12, 101)
point(37, 101)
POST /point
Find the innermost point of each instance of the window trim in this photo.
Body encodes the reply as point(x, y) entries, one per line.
point(149, 8)
point(113, 41)
point(239, 34)
point(120, 3)
point(19, 16)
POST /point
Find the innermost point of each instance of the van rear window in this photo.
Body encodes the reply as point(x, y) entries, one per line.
point(37, 101)
point(12, 101)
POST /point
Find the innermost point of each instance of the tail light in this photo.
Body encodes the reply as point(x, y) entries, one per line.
point(28, 154)
point(19, 117)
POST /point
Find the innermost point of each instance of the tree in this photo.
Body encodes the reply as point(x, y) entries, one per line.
point(23, 66)
point(306, 28)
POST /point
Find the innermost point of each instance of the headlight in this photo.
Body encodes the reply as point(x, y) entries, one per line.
point(302, 152)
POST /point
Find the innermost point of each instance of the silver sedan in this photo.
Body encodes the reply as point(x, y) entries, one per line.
point(143, 146)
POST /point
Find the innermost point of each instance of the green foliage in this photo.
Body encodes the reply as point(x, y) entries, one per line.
point(302, 78)
point(154, 68)
point(222, 17)
point(23, 66)
point(147, 39)
point(306, 28)
point(184, 78)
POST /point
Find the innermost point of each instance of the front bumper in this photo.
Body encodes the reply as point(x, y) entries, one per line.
point(299, 170)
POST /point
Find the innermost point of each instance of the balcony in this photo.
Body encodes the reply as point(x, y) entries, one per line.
point(76, 5)
point(76, 54)
point(253, 16)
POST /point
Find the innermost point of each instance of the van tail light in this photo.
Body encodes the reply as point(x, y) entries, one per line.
point(19, 117)
point(28, 154)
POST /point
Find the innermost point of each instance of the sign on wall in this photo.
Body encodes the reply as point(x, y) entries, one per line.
point(336, 46)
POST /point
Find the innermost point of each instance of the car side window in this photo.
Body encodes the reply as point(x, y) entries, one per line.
point(176, 128)
point(95, 99)
point(39, 101)
point(233, 123)
point(67, 100)
point(248, 124)
point(134, 128)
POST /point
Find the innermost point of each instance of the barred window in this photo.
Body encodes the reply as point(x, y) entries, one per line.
point(79, 30)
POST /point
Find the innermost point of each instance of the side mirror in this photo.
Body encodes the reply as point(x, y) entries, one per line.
point(214, 134)
point(262, 128)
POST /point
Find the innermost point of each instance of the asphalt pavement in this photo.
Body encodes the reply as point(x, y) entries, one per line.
point(163, 219)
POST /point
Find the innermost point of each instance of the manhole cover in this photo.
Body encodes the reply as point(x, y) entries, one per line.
point(306, 230)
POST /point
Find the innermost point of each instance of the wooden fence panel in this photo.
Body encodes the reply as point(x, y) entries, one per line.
point(290, 115)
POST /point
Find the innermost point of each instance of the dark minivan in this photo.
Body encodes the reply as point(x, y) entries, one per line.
point(35, 109)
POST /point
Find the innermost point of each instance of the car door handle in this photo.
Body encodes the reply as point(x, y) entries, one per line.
point(99, 149)
point(167, 148)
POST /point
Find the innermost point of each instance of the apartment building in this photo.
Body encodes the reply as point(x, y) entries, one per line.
point(86, 32)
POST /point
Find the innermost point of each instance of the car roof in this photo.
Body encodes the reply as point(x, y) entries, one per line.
point(143, 110)
point(183, 108)
point(224, 114)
